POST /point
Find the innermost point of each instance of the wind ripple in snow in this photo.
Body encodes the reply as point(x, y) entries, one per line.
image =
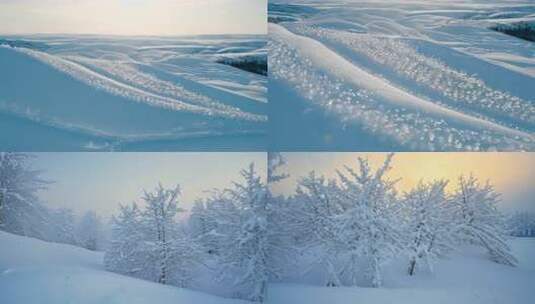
point(128, 73)
point(89, 77)
point(368, 108)
point(462, 89)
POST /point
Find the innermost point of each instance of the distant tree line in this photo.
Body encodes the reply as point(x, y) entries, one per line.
point(522, 224)
point(22, 213)
point(524, 30)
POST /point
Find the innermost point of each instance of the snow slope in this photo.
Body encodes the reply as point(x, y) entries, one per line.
point(114, 93)
point(400, 75)
point(466, 277)
point(33, 271)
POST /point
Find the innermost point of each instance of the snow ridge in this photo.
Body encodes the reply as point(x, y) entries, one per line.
point(357, 97)
point(94, 79)
point(460, 88)
point(128, 73)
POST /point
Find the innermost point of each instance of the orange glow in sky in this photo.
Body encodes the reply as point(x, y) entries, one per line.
point(512, 174)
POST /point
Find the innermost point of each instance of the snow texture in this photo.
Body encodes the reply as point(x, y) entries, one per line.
point(399, 75)
point(136, 93)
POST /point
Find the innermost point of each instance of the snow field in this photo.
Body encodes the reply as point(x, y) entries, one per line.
point(33, 271)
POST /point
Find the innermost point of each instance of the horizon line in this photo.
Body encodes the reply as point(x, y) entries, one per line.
point(133, 35)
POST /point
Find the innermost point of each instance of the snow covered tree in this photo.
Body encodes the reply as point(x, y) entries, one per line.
point(315, 220)
point(428, 224)
point(20, 210)
point(148, 242)
point(161, 207)
point(239, 235)
point(184, 256)
point(479, 221)
point(89, 231)
point(64, 226)
point(251, 251)
point(280, 237)
point(349, 228)
point(125, 254)
point(198, 221)
point(369, 224)
point(219, 216)
point(275, 161)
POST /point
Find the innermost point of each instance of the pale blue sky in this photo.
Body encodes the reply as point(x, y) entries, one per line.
point(512, 174)
point(100, 181)
point(133, 17)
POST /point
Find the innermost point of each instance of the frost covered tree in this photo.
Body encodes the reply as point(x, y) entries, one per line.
point(239, 235)
point(478, 220)
point(64, 226)
point(369, 224)
point(125, 254)
point(280, 236)
point(161, 207)
point(148, 242)
point(20, 210)
point(428, 224)
point(198, 221)
point(213, 222)
point(315, 219)
point(349, 228)
point(275, 161)
point(89, 231)
point(250, 254)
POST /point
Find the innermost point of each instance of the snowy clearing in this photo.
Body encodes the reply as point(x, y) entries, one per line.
point(33, 271)
point(386, 75)
point(118, 93)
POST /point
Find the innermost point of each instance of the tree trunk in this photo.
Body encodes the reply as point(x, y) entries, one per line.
point(412, 266)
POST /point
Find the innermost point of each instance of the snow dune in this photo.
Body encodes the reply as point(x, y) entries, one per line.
point(384, 78)
point(106, 94)
point(33, 271)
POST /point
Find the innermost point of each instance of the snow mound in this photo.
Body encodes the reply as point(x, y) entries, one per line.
point(33, 271)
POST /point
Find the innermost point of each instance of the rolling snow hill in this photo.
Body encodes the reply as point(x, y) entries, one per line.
point(73, 93)
point(33, 271)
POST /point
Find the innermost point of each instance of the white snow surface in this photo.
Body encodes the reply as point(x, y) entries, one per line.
point(401, 75)
point(131, 93)
point(468, 277)
point(33, 271)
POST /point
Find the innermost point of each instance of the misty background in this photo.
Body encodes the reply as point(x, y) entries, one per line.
point(102, 181)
